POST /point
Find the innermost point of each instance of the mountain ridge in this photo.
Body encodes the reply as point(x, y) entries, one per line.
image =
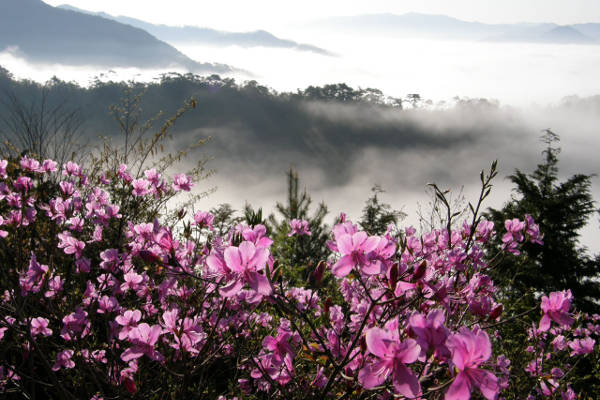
point(446, 27)
point(42, 33)
point(193, 34)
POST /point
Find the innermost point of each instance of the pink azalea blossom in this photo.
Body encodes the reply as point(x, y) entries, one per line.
point(132, 281)
point(556, 308)
point(49, 166)
point(204, 219)
point(75, 324)
point(354, 250)
point(582, 346)
point(182, 182)
point(3, 165)
point(143, 338)
point(392, 355)
point(186, 331)
point(29, 164)
point(299, 227)
point(39, 326)
point(140, 187)
point(245, 262)
point(63, 360)
point(32, 280)
point(470, 349)
point(128, 321)
point(70, 244)
point(430, 332)
point(71, 169)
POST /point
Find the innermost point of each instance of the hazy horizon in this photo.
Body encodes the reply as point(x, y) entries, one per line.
point(528, 79)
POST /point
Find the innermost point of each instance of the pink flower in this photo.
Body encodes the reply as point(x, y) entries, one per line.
point(23, 184)
point(123, 174)
point(74, 324)
point(132, 281)
point(39, 326)
point(182, 182)
point(279, 346)
point(299, 227)
point(355, 249)
point(128, 321)
point(582, 346)
point(556, 308)
point(107, 304)
point(140, 187)
point(256, 235)
point(392, 355)
point(469, 350)
point(244, 262)
point(186, 331)
point(71, 169)
point(203, 219)
point(70, 244)
point(32, 280)
point(49, 166)
point(143, 339)
point(63, 360)
point(3, 165)
point(430, 332)
point(29, 164)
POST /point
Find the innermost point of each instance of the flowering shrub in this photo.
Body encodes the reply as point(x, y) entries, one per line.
point(98, 303)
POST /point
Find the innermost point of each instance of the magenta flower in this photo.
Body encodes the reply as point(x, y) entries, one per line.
point(299, 227)
point(132, 281)
point(49, 166)
point(39, 326)
point(256, 235)
point(582, 346)
point(203, 219)
point(140, 187)
point(71, 169)
point(107, 304)
point(123, 174)
point(70, 244)
point(32, 280)
point(556, 308)
point(29, 164)
point(23, 184)
point(244, 262)
point(187, 332)
point(3, 165)
point(128, 321)
point(74, 324)
point(470, 349)
point(143, 339)
point(355, 249)
point(279, 346)
point(182, 182)
point(392, 355)
point(63, 360)
point(430, 332)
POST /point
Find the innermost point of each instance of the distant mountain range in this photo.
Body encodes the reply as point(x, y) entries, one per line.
point(206, 36)
point(444, 27)
point(42, 33)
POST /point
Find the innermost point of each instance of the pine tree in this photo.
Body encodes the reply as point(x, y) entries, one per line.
point(561, 209)
point(377, 215)
point(300, 253)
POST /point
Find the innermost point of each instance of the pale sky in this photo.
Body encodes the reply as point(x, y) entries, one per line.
point(264, 14)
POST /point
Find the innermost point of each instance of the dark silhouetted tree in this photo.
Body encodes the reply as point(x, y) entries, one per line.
point(561, 209)
point(300, 253)
point(377, 215)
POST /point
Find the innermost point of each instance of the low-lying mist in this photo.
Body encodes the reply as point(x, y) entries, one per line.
point(448, 147)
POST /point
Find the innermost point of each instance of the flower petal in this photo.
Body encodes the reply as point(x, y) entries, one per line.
point(460, 388)
point(405, 382)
